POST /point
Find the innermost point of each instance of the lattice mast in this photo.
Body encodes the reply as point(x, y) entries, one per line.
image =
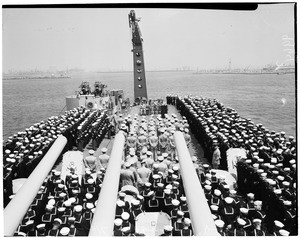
point(140, 86)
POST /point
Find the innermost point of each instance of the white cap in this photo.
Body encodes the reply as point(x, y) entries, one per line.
point(41, 226)
point(244, 210)
point(217, 192)
point(241, 221)
point(283, 232)
point(64, 231)
point(104, 150)
point(168, 228)
point(118, 222)
point(187, 221)
point(214, 207)
point(125, 216)
point(257, 202)
point(278, 224)
point(91, 152)
point(89, 205)
point(120, 203)
point(89, 196)
point(175, 202)
point(228, 200)
point(219, 223)
point(256, 220)
point(78, 208)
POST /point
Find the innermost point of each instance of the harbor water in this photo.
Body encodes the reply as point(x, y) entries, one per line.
point(269, 99)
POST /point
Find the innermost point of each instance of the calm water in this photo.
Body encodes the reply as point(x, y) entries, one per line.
point(266, 99)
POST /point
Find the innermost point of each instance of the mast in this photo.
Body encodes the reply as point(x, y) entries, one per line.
point(140, 86)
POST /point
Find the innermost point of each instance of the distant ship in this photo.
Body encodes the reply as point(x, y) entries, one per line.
point(270, 69)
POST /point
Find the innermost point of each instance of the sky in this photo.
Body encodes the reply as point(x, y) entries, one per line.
point(100, 39)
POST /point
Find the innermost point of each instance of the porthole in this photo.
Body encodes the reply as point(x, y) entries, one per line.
point(138, 62)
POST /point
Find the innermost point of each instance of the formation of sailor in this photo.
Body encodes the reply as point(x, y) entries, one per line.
point(23, 151)
point(62, 207)
point(270, 163)
point(151, 165)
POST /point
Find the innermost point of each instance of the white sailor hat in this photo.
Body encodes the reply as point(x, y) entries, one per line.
point(51, 202)
point(174, 176)
point(72, 200)
point(180, 213)
point(49, 207)
point(217, 192)
point(207, 187)
point(61, 209)
point(57, 173)
point(228, 200)
point(104, 150)
point(125, 229)
point(258, 203)
point(67, 203)
point(285, 183)
point(151, 193)
point(169, 186)
point(250, 195)
point(91, 152)
point(90, 181)
point(280, 178)
point(241, 221)
point(167, 191)
point(41, 226)
point(219, 223)
point(278, 224)
point(125, 216)
point(64, 231)
point(20, 233)
point(122, 194)
point(256, 220)
point(183, 198)
point(164, 155)
point(160, 158)
point(175, 202)
point(78, 208)
point(127, 164)
point(131, 152)
point(58, 220)
point(89, 205)
point(160, 185)
point(232, 192)
point(88, 196)
point(277, 191)
point(214, 207)
point(187, 221)
point(168, 228)
point(147, 184)
point(135, 202)
point(118, 222)
point(207, 182)
point(244, 210)
point(149, 153)
point(175, 168)
point(120, 203)
point(284, 232)
point(29, 222)
point(156, 176)
point(287, 203)
point(140, 197)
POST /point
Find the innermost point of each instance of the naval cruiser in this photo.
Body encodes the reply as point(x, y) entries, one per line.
point(179, 166)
